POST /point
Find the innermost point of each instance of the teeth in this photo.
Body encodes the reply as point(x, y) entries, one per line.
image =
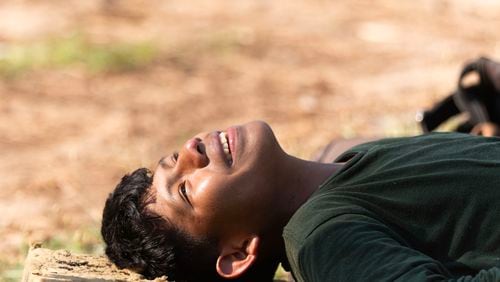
point(225, 146)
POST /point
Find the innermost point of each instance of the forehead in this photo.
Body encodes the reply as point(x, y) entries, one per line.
point(163, 177)
point(163, 180)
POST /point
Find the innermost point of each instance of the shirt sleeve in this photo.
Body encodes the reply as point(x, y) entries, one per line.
point(359, 248)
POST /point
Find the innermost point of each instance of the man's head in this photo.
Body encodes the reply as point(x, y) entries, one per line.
point(206, 212)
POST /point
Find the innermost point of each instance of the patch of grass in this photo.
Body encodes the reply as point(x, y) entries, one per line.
point(77, 51)
point(82, 241)
point(281, 274)
point(87, 240)
point(453, 123)
point(11, 272)
point(124, 57)
point(74, 51)
point(11, 267)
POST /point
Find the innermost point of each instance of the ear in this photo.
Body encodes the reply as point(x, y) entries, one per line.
point(237, 257)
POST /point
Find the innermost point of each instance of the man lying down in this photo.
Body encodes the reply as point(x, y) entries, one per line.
point(232, 205)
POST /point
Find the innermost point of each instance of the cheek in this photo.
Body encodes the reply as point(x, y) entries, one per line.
point(212, 196)
point(224, 200)
point(216, 211)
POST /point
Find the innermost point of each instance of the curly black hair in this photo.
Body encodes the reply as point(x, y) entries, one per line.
point(139, 239)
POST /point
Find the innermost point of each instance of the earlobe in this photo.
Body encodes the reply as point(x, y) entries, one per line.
point(234, 260)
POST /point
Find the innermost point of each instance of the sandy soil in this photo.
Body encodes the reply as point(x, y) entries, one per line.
point(315, 70)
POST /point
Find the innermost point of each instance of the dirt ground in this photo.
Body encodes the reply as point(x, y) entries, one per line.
point(314, 69)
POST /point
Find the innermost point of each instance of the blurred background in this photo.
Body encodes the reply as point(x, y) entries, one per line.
point(90, 90)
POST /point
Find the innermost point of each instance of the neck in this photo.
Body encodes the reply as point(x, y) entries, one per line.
point(299, 180)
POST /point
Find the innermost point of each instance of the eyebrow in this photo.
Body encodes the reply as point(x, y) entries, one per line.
point(163, 162)
point(165, 166)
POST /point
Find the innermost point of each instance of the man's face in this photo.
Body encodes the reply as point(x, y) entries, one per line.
point(205, 191)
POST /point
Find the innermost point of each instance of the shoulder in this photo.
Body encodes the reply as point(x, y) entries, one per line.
point(353, 247)
point(335, 246)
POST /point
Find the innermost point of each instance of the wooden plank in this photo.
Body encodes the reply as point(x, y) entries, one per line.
point(43, 265)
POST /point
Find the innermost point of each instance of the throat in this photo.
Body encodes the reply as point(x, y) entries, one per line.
point(303, 179)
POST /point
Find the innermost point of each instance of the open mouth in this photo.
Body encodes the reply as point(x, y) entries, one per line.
point(225, 147)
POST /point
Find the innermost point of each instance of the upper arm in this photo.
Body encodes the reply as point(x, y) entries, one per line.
point(359, 248)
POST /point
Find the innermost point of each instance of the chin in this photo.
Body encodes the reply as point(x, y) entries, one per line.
point(259, 131)
point(259, 125)
point(261, 139)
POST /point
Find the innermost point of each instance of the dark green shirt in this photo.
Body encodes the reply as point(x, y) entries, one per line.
point(424, 208)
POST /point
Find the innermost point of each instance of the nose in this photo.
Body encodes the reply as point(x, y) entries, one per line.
point(192, 155)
